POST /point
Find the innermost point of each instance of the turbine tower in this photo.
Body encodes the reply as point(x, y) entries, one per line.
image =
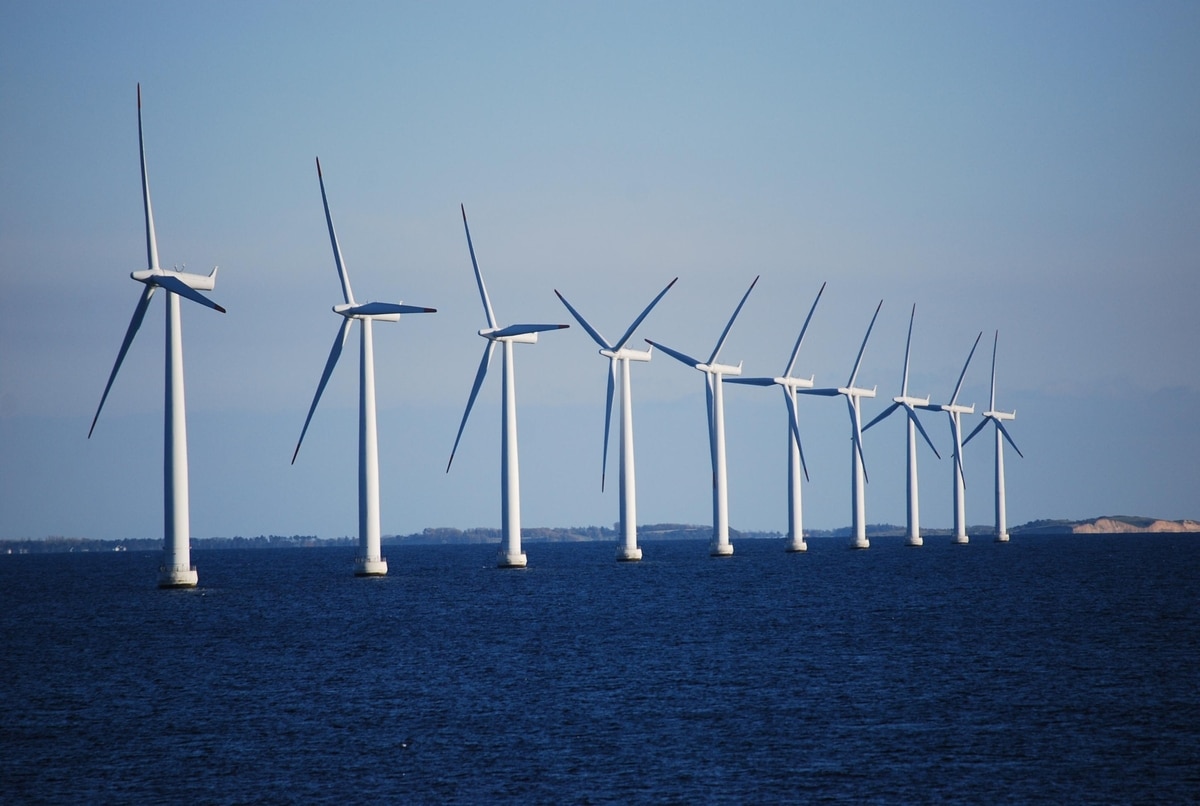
point(619, 354)
point(955, 413)
point(998, 418)
point(858, 470)
point(511, 555)
point(369, 561)
point(714, 373)
point(913, 536)
point(176, 570)
point(796, 463)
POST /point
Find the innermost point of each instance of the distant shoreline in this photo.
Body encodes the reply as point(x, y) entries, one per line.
point(1108, 524)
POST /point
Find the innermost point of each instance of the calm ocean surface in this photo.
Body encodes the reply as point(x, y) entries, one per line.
point(1053, 670)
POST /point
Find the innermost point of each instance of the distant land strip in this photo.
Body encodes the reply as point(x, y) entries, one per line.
point(1108, 524)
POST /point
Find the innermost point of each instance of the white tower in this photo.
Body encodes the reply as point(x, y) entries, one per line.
point(913, 535)
point(858, 469)
point(998, 418)
point(176, 570)
point(511, 555)
point(955, 413)
point(370, 560)
point(796, 463)
point(619, 354)
point(714, 373)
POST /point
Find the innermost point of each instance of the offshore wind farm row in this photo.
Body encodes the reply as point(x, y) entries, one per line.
point(177, 570)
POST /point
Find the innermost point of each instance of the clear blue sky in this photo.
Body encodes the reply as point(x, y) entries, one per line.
point(1027, 167)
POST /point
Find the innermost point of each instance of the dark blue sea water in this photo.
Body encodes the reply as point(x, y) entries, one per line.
point(1053, 670)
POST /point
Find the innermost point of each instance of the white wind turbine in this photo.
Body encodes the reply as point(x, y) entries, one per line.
point(998, 417)
point(858, 470)
point(955, 413)
point(714, 373)
point(176, 570)
point(618, 354)
point(369, 561)
point(913, 537)
point(511, 555)
point(796, 463)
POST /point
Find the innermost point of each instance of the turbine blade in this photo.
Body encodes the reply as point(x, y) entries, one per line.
point(378, 308)
point(858, 361)
point(977, 429)
point(483, 294)
point(907, 347)
point(591, 331)
point(644, 314)
point(956, 434)
point(796, 350)
point(794, 427)
point(347, 294)
point(339, 341)
point(612, 383)
point(912, 414)
point(712, 426)
point(177, 286)
point(753, 381)
point(518, 330)
point(139, 313)
point(678, 356)
point(882, 416)
point(830, 392)
point(856, 421)
point(725, 332)
point(151, 241)
point(483, 367)
point(963, 374)
point(995, 343)
point(1004, 431)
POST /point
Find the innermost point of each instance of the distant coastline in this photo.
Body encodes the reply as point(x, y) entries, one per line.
point(1107, 524)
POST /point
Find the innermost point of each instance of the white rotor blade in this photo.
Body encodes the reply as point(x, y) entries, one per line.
point(796, 350)
point(995, 343)
point(725, 332)
point(380, 308)
point(858, 446)
point(678, 356)
point(976, 429)
point(519, 330)
point(1004, 431)
point(882, 416)
point(612, 383)
point(338, 342)
point(912, 415)
point(337, 250)
point(629, 333)
point(858, 361)
point(794, 427)
point(139, 313)
point(591, 331)
point(954, 435)
point(151, 241)
point(483, 367)
point(907, 346)
point(177, 286)
point(483, 294)
point(712, 425)
point(963, 374)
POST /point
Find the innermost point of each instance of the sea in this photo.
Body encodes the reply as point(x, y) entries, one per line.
point(1046, 670)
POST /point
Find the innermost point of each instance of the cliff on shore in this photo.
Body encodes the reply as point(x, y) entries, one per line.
point(1106, 525)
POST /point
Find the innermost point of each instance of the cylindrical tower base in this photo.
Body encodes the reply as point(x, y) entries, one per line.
point(506, 560)
point(961, 540)
point(914, 540)
point(370, 566)
point(177, 576)
point(1002, 537)
point(720, 549)
point(860, 543)
point(797, 545)
point(628, 555)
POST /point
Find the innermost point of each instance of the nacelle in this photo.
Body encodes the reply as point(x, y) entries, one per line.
point(517, 338)
point(796, 383)
point(916, 402)
point(628, 354)
point(1001, 415)
point(854, 391)
point(721, 369)
point(354, 311)
point(957, 409)
point(199, 282)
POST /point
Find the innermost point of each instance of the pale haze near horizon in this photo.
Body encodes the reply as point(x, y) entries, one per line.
point(1016, 167)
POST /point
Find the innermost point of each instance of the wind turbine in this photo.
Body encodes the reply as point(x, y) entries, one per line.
point(955, 412)
point(796, 463)
point(913, 538)
point(858, 471)
point(714, 373)
point(369, 561)
point(511, 555)
point(176, 570)
point(998, 417)
point(619, 354)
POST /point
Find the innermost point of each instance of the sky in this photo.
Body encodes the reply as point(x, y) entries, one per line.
point(1023, 168)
